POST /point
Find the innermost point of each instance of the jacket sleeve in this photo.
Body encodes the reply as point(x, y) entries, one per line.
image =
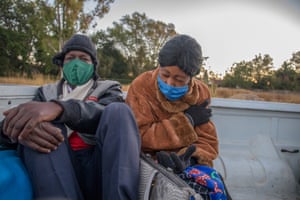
point(172, 132)
point(39, 96)
point(84, 116)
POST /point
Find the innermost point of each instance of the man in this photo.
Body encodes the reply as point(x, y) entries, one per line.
point(77, 138)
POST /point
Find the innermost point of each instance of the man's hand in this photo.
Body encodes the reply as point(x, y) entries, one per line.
point(21, 120)
point(43, 138)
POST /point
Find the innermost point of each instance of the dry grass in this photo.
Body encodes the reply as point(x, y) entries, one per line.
point(275, 96)
point(36, 80)
point(125, 87)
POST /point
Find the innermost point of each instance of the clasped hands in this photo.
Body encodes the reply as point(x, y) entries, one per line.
point(29, 124)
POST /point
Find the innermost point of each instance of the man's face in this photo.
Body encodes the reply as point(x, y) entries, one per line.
point(75, 54)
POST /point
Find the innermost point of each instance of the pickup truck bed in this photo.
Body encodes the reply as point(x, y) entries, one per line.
point(259, 144)
point(259, 148)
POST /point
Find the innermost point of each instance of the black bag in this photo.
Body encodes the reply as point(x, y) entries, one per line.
point(158, 183)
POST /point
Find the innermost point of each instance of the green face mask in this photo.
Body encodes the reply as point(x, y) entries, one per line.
point(77, 72)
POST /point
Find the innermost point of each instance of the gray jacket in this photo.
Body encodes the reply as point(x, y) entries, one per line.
point(80, 116)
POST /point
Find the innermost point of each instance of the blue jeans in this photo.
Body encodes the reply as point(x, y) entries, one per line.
point(108, 170)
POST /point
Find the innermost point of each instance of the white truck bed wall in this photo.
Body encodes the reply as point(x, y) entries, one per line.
point(259, 148)
point(259, 144)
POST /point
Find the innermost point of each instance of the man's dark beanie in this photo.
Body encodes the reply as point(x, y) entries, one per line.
point(182, 51)
point(76, 42)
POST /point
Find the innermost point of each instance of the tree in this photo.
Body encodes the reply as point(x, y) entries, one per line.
point(112, 62)
point(12, 52)
point(261, 72)
point(139, 39)
point(19, 30)
point(285, 77)
point(295, 61)
point(32, 31)
point(254, 74)
point(73, 16)
point(239, 76)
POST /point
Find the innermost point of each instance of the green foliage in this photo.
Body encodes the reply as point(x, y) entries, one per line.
point(262, 73)
point(139, 39)
point(131, 46)
point(16, 36)
point(12, 52)
point(285, 78)
point(113, 64)
point(32, 31)
point(73, 16)
point(259, 74)
point(240, 76)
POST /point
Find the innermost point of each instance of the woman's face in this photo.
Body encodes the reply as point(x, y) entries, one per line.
point(174, 76)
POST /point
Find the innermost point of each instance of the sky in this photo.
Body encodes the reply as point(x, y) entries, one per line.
point(228, 31)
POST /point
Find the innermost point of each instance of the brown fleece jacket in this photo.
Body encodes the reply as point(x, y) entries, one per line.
point(162, 123)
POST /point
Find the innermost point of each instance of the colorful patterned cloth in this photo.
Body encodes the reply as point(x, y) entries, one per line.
point(206, 181)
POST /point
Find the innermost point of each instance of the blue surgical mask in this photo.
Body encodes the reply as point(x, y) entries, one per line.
point(171, 93)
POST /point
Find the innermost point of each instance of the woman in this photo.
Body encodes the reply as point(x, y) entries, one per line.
point(170, 104)
point(170, 107)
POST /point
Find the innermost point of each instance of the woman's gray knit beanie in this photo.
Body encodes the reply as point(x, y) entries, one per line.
point(182, 51)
